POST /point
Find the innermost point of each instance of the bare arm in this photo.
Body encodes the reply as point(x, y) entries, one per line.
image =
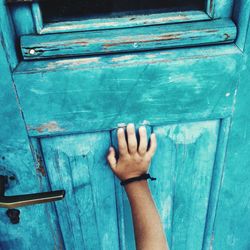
point(133, 161)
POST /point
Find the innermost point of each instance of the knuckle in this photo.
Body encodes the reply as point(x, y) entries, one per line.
point(142, 149)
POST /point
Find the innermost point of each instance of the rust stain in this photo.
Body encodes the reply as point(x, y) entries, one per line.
point(226, 36)
point(82, 43)
point(72, 62)
point(166, 37)
point(211, 31)
point(49, 127)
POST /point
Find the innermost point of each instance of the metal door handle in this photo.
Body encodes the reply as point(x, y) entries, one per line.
point(27, 199)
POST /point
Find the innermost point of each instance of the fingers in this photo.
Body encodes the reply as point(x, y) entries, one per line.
point(122, 143)
point(153, 145)
point(132, 141)
point(143, 140)
point(111, 158)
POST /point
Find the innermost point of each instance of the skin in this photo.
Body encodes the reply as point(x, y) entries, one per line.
point(134, 160)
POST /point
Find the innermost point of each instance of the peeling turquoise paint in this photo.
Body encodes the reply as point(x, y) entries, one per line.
point(59, 116)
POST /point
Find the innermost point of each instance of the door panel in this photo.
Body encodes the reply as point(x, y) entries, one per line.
point(87, 216)
point(184, 166)
point(96, 212)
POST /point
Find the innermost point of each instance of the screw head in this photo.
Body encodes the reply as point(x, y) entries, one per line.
point(32, 51)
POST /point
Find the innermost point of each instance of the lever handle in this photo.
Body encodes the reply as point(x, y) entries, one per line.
point(27, 199)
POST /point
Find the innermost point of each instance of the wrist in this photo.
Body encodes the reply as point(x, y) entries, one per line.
point(134, 187)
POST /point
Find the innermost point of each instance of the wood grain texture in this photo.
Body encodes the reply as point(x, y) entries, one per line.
point(22, 19)
point(97, 93)
point(241, 16)
point(7, 35)
point(218, 172)
point(232, 230)
point(220, 8)
point(183, 165)
point(131, 39)
point(123, 22)
point(87, 215)
point(15, 156)
point(37, 17)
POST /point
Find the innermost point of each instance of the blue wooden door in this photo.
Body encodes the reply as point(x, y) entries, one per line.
point(78, 76)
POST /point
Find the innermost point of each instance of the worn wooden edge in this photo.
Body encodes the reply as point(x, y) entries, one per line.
point(37, 16)
point(124, 22)
point(220, 8)
point(45, 186)
point(91, 62)
point(216, 181)
point(16, 156)
point(7, 36)
point(241, 16)
point(210, 8)
point(124, 40)
point(54, 128)
point(22, 19)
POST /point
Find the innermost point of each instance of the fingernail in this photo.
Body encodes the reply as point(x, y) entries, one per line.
point(142, 127)
point(131, 125)
point(120, 130)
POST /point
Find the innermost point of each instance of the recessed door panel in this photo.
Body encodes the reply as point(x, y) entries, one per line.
point(87, 215)
point(183, 165)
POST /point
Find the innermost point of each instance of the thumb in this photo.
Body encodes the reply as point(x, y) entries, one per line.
point(111, 158)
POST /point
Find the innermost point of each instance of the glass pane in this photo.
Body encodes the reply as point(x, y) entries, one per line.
point(69, 10)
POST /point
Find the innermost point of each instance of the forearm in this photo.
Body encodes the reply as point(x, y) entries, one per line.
point(148, 229)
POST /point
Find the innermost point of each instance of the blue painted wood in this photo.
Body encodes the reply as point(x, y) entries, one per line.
point(37, 17)
point(241, 16)
point(22, 19)
point(183, 180)
point(8, 35)
point(175, 84)
point(34, 229)
point(232, 230)
point(121, 22)
point(216, 182)
point(183, 165)
point(87, 215)
point(131, 39)
point(220, 8)
point(58, 96)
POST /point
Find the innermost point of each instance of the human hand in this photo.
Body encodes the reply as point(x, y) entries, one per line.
point(133, 160)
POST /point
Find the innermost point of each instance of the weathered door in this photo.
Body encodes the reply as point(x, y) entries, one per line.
point(78, 75)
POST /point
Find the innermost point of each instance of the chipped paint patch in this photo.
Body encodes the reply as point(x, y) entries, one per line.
point(145, 122)
point(48, 127)
point(121, 125)
point(182, 134)
point(72, 62)
point(122, 58)
point(185, 133)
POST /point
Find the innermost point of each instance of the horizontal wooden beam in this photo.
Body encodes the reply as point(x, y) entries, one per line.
point(97, 93)
point(130, 39)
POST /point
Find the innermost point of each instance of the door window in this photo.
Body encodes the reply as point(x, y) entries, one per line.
point(69, 10)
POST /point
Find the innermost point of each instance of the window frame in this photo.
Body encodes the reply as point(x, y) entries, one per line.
point(214, 9)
